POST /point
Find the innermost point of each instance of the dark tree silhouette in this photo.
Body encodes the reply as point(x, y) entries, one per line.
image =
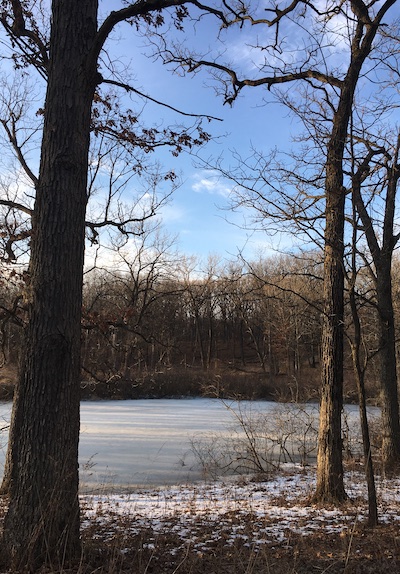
point(335, 87)
point(42, 522)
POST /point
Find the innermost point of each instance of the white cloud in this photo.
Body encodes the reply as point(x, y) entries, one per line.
point(253, 50)
point(172, 213)
point(211, 182)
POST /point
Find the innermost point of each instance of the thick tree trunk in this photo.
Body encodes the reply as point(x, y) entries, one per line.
point(330, 486)
point(42, 523)
point(387, 353)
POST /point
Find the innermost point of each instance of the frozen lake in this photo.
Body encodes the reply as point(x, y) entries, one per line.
point(144, 442)
point(141, 442)
point(147, 442)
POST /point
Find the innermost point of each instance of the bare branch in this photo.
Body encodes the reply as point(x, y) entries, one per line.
point(268, 81)
point(129, 88)
point(142, 8)
point(18, 32)
point(12, 136)
point(16, 205)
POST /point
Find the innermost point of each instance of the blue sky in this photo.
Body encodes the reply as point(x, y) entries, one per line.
point(197, 212)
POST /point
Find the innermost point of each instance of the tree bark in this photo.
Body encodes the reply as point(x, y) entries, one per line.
point(382, 259)
point(359, 373)
point(388, 369)
point(330, 487)
point(42, 522)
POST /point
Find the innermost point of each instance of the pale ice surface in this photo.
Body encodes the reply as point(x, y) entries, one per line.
point(135, 443)
point(144, 442)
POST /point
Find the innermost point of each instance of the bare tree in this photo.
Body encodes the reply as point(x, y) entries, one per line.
point(360, 357)
point(42, 522)
point(326, 82)
point(123, 305)
point(376, 175)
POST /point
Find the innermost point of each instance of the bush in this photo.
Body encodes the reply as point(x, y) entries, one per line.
point(260, 442)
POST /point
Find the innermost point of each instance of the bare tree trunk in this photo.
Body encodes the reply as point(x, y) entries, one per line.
point(382, 258)
point(42, 522)
point(369, 468)
point(329, 458)
point(359, 373)
point(388, 374)
point(330, 487)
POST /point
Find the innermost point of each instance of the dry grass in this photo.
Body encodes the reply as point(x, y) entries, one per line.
point(145, 553)
point(215, 549)
point(189, 535)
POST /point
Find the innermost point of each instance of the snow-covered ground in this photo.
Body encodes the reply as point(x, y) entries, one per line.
point(145, 489)
point(278, 509)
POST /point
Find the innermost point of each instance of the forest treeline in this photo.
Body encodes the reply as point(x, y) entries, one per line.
point(152, 328)
point(72, 98)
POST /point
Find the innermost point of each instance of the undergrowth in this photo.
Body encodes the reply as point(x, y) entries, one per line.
point(265, 528)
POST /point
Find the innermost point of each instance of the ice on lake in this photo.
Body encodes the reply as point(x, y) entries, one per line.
point(139, 443)
point(130, 444)
point(144, 442)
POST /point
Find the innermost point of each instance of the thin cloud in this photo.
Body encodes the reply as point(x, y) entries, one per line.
point(253, 50)
point(211, 183)
point(172, 213)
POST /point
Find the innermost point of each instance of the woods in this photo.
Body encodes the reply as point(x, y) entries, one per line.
point(146, 310)
point(221, 318)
